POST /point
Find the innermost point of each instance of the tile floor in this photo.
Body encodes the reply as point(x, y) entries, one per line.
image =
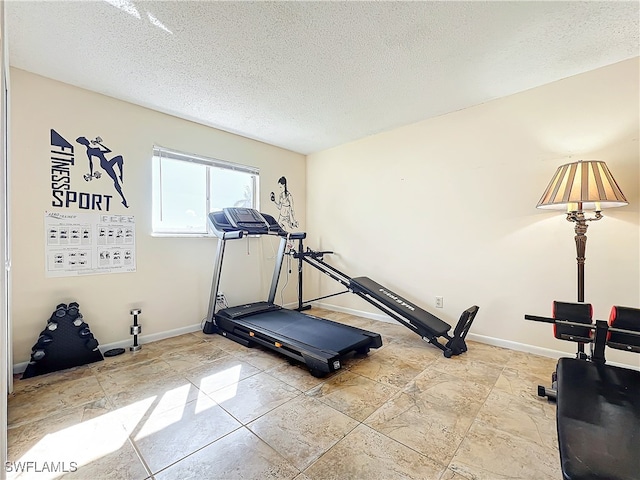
point(203, 407)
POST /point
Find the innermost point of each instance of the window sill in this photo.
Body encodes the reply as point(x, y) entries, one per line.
point(181, 235)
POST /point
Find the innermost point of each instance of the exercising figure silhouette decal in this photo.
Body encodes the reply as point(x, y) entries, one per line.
point(284, 203)
point(96, 149)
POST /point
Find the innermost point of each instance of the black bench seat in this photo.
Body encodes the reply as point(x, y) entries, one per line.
point(598, 418)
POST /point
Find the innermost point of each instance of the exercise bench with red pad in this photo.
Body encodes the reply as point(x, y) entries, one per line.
point(598, 405)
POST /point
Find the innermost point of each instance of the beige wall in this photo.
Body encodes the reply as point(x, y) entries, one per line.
point(443, 207)
point(446, 207)
point(173, 276)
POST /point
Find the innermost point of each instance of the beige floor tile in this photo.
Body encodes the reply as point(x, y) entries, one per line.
point(389, 365)
point(23, 440)
point(239, 455)
point(296, 375)
point(34, 383)
point(16, 448)
point(122, 463)
point(533, 419)
point(220, 373)
point(172, 344)
point(490, 454)
point(160, 391)
point(194, 356)
point(487, 353)
point(415, 350)
point(469, 369)
point(89, 437)
point(425, 425)
point(35, 404)
point(126, 359)
point(200, 334)
point(133, 376)
point(367, 454)
point(352, 394)
point(521, 384)
point(152, 381)
point(413, 340)
point(261, 357)
point(477, 413)
point(451, 475)
point(302, 429)
point(458, 394)
point(254, 396)
point(166, 437)
point(532, 364)
point(391, 331)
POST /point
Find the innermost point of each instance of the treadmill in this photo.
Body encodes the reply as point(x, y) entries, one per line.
point(319, 343)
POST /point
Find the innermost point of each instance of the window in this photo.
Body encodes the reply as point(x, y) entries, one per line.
point(186, 187)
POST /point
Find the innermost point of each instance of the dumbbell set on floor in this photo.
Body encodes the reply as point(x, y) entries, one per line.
point(63, 310)
point(65, 342)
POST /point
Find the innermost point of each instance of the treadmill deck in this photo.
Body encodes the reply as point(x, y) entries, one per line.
point(316, 341)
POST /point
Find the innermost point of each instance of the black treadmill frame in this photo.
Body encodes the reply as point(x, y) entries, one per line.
point(320, 361)
point(242, 330)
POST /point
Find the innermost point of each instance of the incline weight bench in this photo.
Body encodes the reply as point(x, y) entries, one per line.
point(598, 405)
point(416, 319)
point(428, 326)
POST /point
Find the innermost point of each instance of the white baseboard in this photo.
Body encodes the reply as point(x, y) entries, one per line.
point(496, 342)
point(154, 337)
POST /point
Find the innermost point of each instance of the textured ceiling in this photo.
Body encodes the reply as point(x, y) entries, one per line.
point(308, 76)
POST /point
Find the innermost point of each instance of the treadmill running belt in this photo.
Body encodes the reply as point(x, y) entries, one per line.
point(322, 334)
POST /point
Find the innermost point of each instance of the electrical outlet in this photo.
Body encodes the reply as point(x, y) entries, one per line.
point(439, 302)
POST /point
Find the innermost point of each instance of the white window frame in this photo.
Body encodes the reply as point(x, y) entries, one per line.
point(160, 153)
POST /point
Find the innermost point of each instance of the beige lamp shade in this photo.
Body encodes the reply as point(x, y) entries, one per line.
point(583, 185)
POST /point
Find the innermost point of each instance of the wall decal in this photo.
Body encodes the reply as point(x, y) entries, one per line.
point(284, 203)
point(89, 243)
point(99, 151)
point(62, 164)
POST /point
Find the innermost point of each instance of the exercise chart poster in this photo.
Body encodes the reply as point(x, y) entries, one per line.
point(89, 244)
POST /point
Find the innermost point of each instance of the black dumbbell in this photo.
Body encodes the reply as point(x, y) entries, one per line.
point(43, 340)
point(58, 314)
point(79, 321)
point(92, 343)
point(73, 309)
point(84, 332)
point(37, 355)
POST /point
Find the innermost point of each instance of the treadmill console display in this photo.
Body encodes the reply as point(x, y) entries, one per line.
point(247, 219)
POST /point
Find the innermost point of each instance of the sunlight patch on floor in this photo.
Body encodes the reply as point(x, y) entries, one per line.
point(81, 444)
point(225, 378)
